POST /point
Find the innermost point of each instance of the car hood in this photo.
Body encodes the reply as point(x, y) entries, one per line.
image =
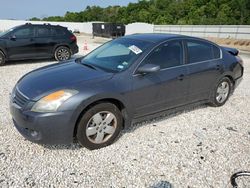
point(43, 81)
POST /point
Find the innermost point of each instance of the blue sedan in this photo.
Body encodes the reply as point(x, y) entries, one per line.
point(91, 99)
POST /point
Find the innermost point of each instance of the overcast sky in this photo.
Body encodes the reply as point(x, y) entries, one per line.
point(25, 9)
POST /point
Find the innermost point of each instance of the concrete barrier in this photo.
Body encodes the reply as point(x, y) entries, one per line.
point(219, 31)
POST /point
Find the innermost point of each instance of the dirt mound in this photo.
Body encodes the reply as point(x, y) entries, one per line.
point(241, 44)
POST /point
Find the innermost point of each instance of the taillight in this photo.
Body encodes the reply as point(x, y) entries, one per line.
point(73, 38)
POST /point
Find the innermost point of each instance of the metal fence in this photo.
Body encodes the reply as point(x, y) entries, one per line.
point(218, 31)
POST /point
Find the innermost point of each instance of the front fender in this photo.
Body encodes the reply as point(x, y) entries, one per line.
point(88, 101)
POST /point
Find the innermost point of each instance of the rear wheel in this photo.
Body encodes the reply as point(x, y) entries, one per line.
point(221, 92)
point(62, 53)
point(2, 58)
point(99, 126)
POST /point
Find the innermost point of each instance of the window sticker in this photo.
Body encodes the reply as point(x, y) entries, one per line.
point(125, 63)
point(135, 49)
point(120, 67)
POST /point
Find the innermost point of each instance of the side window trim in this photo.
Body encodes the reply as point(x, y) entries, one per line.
point(184, 46)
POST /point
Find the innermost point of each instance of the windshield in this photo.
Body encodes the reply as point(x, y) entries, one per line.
point(117, 55)
point(5, 32)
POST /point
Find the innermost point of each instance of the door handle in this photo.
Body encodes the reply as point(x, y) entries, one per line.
point(218, 67)
point(31, 40)
point(181, 77)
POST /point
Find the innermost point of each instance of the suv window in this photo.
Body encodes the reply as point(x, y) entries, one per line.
point(43, 32)
point(57, 31)
point(167, 55)
point(23, 32)
point(201, 51)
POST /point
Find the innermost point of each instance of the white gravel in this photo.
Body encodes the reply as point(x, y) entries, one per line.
point(201, 147)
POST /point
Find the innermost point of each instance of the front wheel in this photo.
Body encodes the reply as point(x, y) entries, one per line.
point(221, 92)
point(62, 53)
point(99, 126)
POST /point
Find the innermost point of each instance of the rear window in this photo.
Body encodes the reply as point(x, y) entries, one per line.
point(43, 32)
point(216, 52)
point(199, 51)
point(57, 31)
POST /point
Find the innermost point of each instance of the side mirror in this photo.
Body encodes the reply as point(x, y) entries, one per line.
point(13, 37)
point(148, 68)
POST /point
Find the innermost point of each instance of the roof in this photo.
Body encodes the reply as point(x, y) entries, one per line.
point(45, 24)
point(153, 37)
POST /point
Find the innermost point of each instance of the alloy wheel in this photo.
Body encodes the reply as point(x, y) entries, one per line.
point(222, 92)
point(63, 54)
point(101, 127)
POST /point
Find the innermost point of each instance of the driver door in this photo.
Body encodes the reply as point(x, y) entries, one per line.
point(21, 43)
point(165, 89)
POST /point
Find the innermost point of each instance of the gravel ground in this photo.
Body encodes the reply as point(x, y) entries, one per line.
point(201, 147)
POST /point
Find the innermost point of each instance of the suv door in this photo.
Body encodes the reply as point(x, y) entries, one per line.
point(204, 68)
point(44, 41)
point(166, 88)
point(20, 44)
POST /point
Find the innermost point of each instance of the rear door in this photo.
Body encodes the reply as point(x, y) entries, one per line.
point(20, 44)
point(165, 89)
point(204, 68)
point(44, 41)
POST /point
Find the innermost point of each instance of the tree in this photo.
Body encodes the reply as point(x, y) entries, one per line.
point(165, 12)
point(34, 19)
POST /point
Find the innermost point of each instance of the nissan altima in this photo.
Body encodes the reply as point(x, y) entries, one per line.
point(91, 99)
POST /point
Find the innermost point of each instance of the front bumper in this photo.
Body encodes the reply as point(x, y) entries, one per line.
point(44, 128)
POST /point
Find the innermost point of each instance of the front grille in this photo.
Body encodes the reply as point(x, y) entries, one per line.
point(19, 98)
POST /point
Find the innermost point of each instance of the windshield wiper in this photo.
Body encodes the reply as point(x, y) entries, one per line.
point(89, 65)
point(79, 61)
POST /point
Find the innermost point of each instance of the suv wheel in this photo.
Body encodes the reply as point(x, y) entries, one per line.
point(62, 53)
point(99, 126)
point(2, 58)
point(221, 92)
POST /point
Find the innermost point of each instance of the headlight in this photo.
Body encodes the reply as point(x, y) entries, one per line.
point(53, 101)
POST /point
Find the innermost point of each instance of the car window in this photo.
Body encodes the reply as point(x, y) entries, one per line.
point(117, 55)
point(201, 51)
point(167, 55)
point(216, 51)
point(57, 32)
point(23, 33)
point(43, 32)
point(115, 50)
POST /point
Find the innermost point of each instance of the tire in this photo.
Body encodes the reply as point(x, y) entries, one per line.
point(2, 58)
point(99, 126)
point(62, 53)
point(221, 92)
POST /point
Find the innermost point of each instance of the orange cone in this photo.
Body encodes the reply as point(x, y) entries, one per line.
point(85, 45)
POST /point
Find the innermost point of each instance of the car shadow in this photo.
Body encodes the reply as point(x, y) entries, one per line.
point(145, 121)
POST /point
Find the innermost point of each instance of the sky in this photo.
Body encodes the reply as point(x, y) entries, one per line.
point(25, 9)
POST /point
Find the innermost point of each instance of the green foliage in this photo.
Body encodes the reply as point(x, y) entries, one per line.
point(206, 12)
